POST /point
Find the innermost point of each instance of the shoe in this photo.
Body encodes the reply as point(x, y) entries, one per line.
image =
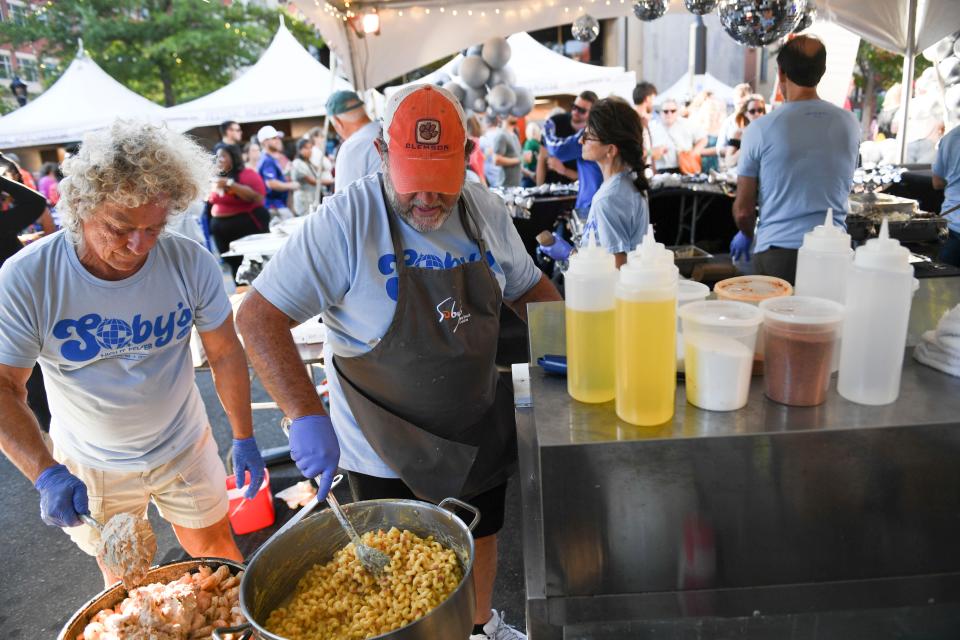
point(498, 629)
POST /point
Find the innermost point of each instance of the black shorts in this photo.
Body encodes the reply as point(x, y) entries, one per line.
point(489, 503)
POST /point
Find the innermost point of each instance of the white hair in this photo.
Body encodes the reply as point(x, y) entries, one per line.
point(129, 165)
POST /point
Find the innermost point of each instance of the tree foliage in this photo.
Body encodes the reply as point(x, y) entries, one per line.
point(881, 68)
point(170, 51)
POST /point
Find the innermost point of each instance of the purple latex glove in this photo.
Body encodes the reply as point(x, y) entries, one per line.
point(246, 457)
point(740, 247)
point(315, 449)
point(63, 497)
point(560, 250)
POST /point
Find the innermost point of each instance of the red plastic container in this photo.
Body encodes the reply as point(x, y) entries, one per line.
point(247, 516)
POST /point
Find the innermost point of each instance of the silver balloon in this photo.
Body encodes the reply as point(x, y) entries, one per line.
point(808, 18)
point(952, 97)
point(586, 28)
point(474, 72)
point(496, 52)
point(505, 75)
point(455, 67)
point(700, 7)
point(648, 10)
point(757, 23)
point(457, 90)
point(473, 96)
point(474, 50)
point(442, 78)
point(524, 102)
point(949, 69)
point(939, 50)
point(501, 99)
point(956, 44)
point(479, 105)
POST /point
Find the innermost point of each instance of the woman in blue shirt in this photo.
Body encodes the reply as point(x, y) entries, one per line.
point(613, 138)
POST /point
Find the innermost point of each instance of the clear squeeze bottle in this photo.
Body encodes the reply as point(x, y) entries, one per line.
point(879, 293)
point(823, 260)
point(646, 334)
point(589, 282)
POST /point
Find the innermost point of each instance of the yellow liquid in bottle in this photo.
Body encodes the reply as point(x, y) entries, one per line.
point(590, 368)
point(646, 361)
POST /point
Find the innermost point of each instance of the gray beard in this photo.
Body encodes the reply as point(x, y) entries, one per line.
point(406, 213)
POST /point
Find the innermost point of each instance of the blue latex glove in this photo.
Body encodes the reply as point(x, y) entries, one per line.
point(63, 497)
point(246, 457)
point(740, 247)
point(315, 449)
point(559, 250)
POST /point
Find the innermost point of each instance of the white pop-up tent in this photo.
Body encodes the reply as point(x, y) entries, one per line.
point(286, 82)
point(84, 98)
point(546, 73)
point(685, 89)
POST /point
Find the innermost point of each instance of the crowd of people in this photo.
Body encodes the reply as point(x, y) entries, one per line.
point(411, 226)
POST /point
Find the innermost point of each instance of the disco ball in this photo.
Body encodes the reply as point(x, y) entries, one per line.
point(586, 28)
point(939, 50)
point(807, 18)
point(700, 7)
point(949, 69)
point(648, 10)
point(756, 23)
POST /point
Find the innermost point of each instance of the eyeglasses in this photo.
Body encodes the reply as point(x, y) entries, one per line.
point(668, 110)
point(754, 112)
point(578, 109)
point(587, 137)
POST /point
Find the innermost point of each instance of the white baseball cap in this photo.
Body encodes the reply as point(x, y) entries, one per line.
point(267, 132)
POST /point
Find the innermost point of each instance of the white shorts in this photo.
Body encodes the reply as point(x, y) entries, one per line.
point(189, 491)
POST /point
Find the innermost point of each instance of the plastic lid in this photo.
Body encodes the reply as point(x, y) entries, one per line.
point(827, 237)
point(691, 291)
point(752, 288)
point(650, 265)
point(722, 313)
point(592, 258)
point(802, 310)
point(883, 253)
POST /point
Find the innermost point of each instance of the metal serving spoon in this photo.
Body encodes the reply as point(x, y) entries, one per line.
point(373, 560)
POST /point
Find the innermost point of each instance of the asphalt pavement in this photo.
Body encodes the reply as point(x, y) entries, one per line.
point(46, 579)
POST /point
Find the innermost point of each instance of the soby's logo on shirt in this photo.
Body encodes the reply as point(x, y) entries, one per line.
point(93, 336)
point(387, 265)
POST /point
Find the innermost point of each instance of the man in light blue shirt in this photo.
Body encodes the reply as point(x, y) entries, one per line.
point(946, 176)
point(800, 159)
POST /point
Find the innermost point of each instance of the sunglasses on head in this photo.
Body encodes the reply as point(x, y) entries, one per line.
point(578, 109)
point(754, 111)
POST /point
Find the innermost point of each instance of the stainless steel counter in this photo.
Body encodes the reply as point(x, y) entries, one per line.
point(757, 523)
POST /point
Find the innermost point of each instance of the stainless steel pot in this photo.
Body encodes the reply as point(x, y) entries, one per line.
point(275, 569)
point(112, 596)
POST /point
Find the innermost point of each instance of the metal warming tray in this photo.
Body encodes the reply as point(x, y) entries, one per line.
point(882, 204)
point(687, 256)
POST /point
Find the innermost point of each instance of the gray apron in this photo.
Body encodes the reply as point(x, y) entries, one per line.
point(428, 397)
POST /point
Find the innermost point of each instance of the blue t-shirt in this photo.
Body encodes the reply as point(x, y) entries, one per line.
point(947, 166)
point(341, 263)
point(491, 170)
point(270, 169)
point(588, 171)
point(803, 155)
point(115, 354)
point(618, 215)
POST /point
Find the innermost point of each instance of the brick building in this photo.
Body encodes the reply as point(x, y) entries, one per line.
point(23, 61)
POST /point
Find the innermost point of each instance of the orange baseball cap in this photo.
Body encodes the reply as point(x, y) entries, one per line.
point(425, 131)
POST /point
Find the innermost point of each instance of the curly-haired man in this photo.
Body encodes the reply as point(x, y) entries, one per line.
point(106, 306)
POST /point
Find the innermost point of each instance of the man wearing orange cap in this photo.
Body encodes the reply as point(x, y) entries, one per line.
point(409, 267)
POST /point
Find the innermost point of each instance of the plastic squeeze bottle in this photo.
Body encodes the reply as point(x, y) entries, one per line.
point(589, 282)
point(823, 260)
point(879, 292)
point(646, 334)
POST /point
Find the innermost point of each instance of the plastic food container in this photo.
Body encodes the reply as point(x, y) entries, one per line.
point(251, 515)
point(687, 291)
point(719, 339)
point(752, 289)
point(800, 334)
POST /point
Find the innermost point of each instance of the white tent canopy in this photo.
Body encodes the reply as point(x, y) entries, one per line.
point(414, 34)
point(545, 72)
point(287, 82)
point(83, 99)
point(683, 89)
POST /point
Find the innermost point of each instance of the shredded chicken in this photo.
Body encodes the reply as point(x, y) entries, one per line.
point(127, 546)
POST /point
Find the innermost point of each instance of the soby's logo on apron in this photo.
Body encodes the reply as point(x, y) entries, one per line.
point(451, 311)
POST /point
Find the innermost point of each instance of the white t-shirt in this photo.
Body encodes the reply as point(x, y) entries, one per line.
point(680, 137)
point(341, 263)
point(618, 215)
point(357, 156)
point(115, 354)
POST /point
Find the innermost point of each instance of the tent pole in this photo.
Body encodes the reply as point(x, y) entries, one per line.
point(909, 59)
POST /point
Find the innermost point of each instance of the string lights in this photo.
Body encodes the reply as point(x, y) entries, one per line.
point(346, 14)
